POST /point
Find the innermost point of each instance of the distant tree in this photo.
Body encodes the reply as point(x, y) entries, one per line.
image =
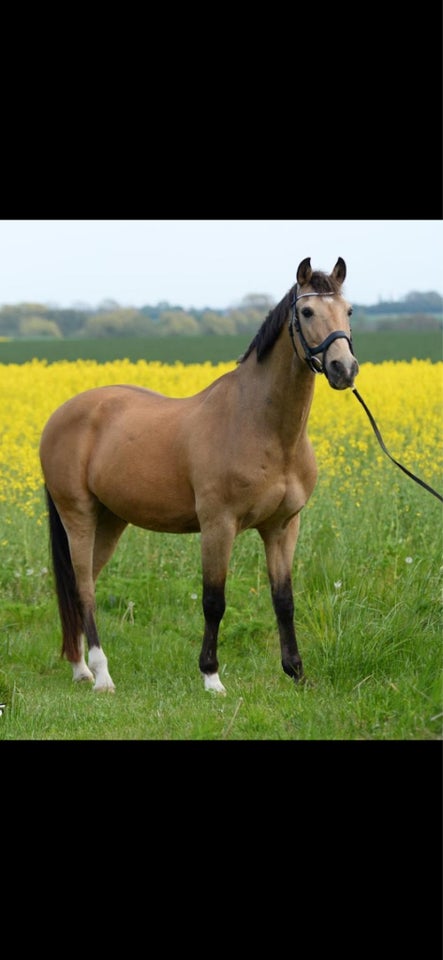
point(155, 312)
point(71, 322)
point(165, 319)
point(261, 302)
point(38, 327)
point(11, 317)
point(246, 321)
point(32, 309)
point(9, 321)
point(212, 322)
point(251, 311)
point(177, 322)
point(82, 306)
point(108, 305)
point(144, 326)
point(122, 322)
point(424, 302)
point(415, 321)
point(413, 302)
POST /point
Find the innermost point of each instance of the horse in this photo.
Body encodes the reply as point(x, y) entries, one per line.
point(233, 457)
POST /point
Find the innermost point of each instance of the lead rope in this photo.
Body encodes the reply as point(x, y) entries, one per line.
point(380, 440)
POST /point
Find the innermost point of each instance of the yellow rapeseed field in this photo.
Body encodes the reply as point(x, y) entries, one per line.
point(405, 398)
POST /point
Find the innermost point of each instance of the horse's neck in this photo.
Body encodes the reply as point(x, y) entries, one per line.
point(280, 391)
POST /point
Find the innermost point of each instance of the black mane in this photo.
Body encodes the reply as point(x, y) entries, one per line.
point(271, 327)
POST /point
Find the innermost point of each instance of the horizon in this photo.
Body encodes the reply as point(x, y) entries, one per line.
point(211, 264)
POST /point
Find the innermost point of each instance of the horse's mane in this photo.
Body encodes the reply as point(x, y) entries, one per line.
point(271, 327)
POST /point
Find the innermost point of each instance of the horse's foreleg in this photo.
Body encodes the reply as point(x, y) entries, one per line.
point(280, 546)
point(216, 545)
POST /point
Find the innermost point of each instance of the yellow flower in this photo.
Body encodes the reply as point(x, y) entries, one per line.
point(405, 399)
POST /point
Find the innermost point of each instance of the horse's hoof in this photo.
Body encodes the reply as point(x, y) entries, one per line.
point(300, 680)
point(294, 670)
point(104, 687)
point(81, 673)
point(213, 682)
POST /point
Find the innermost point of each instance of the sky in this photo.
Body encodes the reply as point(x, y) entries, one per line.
point(211, 263)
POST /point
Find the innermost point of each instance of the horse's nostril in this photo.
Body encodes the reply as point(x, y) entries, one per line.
point(340, 370)
point(341, 375)
point(337, 366)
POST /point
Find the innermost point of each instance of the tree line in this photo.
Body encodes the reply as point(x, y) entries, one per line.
point(110, 319)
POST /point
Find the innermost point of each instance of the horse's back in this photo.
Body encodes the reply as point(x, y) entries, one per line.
point(97, 408)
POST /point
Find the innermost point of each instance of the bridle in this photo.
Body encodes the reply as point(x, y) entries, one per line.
point(314, 363)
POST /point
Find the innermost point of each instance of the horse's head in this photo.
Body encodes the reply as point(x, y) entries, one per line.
point(320, 324)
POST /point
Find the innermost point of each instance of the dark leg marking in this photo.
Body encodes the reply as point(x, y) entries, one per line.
point(213, 608)
point(90, 630)
point(282, 599)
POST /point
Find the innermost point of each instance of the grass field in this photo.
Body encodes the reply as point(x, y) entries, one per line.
point(367, 581)
point(372, 347)
point(369, 628)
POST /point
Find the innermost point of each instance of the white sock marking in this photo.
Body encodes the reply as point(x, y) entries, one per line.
point(81, 671)
point(99, 666)
point(213, 682)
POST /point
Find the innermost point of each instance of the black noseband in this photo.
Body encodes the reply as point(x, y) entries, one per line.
point(312, 360)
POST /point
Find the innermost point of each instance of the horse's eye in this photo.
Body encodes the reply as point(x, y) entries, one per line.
point(350, 312)
point(307, 312)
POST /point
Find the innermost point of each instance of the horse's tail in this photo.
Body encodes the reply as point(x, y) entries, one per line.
point(66, 587)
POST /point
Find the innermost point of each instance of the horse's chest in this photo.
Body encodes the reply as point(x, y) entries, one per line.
point(270, 494)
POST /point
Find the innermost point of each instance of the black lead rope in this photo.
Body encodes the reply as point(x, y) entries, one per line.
point(380, 440)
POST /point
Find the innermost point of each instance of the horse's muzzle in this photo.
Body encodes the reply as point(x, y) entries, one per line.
point(341, 374)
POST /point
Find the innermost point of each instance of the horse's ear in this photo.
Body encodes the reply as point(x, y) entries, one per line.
point(339, 271)
point(304, 272)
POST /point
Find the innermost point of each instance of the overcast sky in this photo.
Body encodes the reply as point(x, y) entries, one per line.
point(214, 263)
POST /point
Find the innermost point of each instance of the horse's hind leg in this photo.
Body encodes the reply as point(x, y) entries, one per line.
point(108, 529)
point(89, 548)
point(69, 605)
point(280, 543)
point(81, 537)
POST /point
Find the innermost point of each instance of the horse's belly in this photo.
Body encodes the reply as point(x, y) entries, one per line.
point(158, 502)
point(163, 517)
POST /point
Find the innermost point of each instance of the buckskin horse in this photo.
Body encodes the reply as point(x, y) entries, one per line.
point(233, 457)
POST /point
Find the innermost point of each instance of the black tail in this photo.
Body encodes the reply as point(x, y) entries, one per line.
point(67, 595)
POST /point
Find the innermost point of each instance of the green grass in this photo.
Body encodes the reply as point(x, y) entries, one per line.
point(369, 630)
point(373, 347)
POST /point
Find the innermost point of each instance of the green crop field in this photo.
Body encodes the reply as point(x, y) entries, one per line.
point(373, 347)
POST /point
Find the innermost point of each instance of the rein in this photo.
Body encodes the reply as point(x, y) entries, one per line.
point(318, 367)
